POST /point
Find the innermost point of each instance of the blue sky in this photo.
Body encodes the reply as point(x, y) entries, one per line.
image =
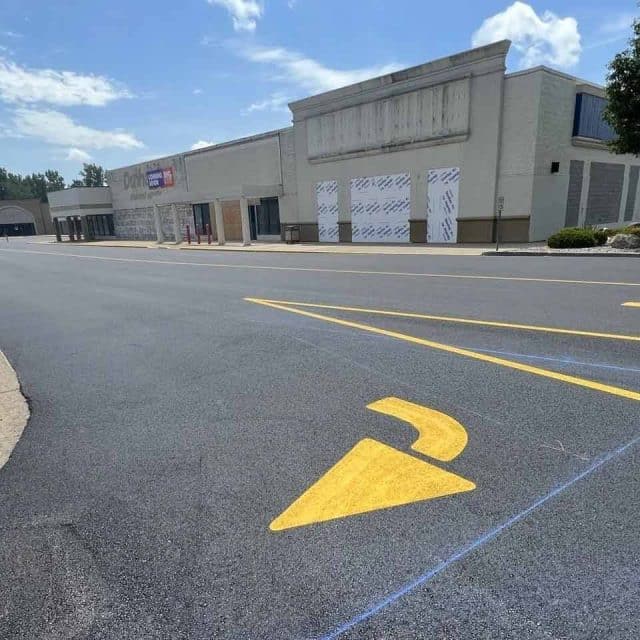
point(119, 82)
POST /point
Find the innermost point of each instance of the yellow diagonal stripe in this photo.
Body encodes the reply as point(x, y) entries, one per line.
point(511, 364)
point(440, 436)
point(486, 323)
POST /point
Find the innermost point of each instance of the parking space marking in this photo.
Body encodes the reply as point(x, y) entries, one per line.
point(472, 321)
point(569, 361)
point(511, 364)
point(631, 304)
point(440, 436)
point(415, 274)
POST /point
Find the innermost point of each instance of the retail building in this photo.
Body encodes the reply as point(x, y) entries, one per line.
point(436, 153)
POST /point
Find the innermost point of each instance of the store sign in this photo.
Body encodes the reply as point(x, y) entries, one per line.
point(160, 178)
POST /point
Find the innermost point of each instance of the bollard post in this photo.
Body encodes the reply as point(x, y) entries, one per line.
point(209, 234)
point(188, 234)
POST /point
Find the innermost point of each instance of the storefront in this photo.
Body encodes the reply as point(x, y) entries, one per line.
point(428, 154)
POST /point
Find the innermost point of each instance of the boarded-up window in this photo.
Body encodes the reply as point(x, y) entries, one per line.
point(605, 192)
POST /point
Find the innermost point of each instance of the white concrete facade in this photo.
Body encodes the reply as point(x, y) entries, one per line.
point(388, 158)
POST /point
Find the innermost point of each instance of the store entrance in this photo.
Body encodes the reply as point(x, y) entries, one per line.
point(201, 218)
point(17, 229)
point(267, 219)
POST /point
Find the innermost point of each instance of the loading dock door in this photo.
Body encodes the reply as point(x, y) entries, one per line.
point(442, 204)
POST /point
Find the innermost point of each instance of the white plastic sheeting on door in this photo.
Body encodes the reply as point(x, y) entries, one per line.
point(327, 207)
point(380, 208)
point(442, 204)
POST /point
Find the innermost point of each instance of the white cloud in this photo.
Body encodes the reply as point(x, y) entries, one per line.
point(74, 154)
point(310, 74)
point(197, 92)
point(12, 34)
point(201, 144)
point(58, 129)
point(275, 102)
point(244, 13)
point(540, 39)
point(65, 88)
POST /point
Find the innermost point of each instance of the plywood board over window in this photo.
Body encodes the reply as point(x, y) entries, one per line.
point(442, 204)
point(327, 209)
point(380, 208)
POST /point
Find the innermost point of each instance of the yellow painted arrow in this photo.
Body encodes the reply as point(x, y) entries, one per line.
point(371, 476)
point(440, 436)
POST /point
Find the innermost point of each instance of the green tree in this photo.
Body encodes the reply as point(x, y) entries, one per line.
point(13, 186)
point(55, 182)
point(92, 175)
point(623, 94)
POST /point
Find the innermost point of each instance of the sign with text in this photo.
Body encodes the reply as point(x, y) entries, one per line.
point(160, 178)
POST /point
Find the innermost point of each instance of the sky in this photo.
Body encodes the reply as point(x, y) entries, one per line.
point(118, 81)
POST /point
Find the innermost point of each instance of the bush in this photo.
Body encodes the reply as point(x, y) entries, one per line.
point(600, 236)
point(572, 238)
point(634, 229)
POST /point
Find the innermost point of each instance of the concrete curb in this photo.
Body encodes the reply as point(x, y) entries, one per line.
point(435, 251)
point(563, 254)
point(14, 410)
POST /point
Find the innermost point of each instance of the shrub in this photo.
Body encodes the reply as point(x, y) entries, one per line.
point(572, 238)
point(634, 230)
point(600, 236)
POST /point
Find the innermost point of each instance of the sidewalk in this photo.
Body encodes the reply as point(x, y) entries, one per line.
point(281, 247)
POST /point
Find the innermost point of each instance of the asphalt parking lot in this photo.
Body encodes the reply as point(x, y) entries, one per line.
point(255, 446)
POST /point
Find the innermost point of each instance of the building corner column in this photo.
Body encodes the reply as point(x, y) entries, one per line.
point(584, 194)
point(244, 219)
point(217, 208)
point(625, 193)
point(56, 226)
point(158, 224)
point(177, 232)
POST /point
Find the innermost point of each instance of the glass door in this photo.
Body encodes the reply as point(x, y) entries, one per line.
point(201, 217)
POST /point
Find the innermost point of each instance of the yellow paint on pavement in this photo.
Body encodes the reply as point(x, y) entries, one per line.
point(511, 364)
point(370, 477)
point(631, 304)
point(440, 436)
point(487, 323)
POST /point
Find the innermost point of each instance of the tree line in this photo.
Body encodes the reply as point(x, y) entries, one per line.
point(14, 186)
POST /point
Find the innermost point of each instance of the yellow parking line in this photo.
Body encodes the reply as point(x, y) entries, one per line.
point(487, 323)
point(511, 364)
point(631, 304)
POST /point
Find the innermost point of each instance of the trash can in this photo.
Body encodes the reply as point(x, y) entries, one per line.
point(292, 233)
